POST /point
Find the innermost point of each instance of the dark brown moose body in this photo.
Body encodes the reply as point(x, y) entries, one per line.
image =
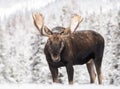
point(66, 48)
point(79, 48)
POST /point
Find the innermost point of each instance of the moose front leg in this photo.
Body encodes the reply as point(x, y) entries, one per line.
point(54, 72)
point(70, 72)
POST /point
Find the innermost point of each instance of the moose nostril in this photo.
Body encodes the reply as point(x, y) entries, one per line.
point(55, 56)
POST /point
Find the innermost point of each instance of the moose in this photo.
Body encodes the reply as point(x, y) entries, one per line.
point(69, 47)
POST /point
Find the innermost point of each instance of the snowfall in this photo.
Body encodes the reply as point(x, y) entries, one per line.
point(22, 60)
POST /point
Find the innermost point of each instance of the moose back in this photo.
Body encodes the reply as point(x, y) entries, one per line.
point(69, 47)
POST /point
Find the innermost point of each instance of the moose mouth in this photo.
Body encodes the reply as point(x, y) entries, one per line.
point(56, 58)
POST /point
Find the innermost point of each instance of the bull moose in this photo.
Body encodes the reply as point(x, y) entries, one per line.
point(69, 47)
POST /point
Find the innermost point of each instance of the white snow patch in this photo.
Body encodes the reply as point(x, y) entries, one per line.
point(55, 86)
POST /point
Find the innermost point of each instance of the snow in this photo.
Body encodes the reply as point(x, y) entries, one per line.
point(21, 47)
point(12, 6)
point(55, 86)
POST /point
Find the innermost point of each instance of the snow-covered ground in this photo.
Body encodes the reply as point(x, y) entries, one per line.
point(55, 86)
point(21, 48)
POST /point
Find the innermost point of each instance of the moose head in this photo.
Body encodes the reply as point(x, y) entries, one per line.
point(56, 39)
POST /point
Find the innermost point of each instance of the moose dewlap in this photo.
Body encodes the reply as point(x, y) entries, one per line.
point(69, 47)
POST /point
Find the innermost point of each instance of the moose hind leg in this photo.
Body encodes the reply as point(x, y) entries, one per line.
point(98, 62)
point(91, 71)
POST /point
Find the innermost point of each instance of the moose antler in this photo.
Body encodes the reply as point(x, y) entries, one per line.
point(75, 20)
point(39, 23)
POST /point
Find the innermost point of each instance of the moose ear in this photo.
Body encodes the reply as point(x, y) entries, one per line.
point(74, 23)
point(47, 30)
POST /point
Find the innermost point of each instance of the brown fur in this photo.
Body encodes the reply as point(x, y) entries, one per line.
point(68, 47)
point(79, 48)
